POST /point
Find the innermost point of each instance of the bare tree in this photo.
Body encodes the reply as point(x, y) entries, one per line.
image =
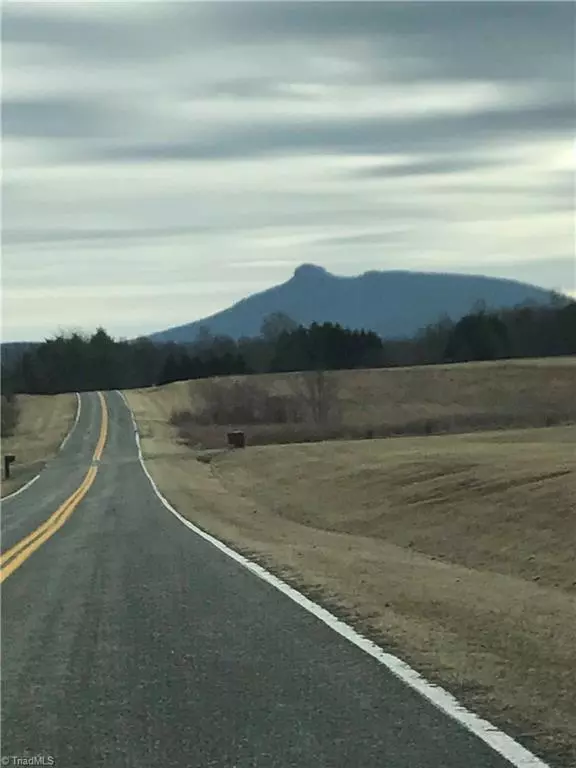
point(242, 403)
point(320, 392)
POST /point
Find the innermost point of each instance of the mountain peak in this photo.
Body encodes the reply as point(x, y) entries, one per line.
point(309, 271)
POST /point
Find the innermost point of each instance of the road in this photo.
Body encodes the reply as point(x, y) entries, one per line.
point(128, 640)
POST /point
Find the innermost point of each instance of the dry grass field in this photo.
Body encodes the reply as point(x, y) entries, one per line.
point(450, 397)
point(455, 551)
point(43, 423)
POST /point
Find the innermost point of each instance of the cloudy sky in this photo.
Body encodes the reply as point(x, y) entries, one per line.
point(162, 160)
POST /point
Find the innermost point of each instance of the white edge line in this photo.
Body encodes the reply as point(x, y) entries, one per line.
point(500, 742)
point(76, 419)
point(20, 490)
point(62, 444)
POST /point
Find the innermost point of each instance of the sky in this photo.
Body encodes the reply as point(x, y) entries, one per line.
point(163, 160)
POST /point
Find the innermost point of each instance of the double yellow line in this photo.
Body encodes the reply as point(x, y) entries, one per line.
point(19, 553)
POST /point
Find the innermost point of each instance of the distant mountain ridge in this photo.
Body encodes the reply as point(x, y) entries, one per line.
point(395, 304)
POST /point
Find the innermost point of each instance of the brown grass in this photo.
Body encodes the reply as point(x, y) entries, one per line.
point(43, 423)
point(437, 399)
point(457, 551)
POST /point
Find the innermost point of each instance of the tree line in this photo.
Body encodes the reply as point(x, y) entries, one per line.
point(78, 362)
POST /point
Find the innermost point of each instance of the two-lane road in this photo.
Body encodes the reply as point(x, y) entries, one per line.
point(128, 640)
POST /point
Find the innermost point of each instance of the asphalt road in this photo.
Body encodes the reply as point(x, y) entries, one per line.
point(127, 640)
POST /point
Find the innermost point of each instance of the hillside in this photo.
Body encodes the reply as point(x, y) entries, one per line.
point(473, 396)
point(394, 304)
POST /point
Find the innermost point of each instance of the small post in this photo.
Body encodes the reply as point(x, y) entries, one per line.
point(8, 459)
point(236, 439)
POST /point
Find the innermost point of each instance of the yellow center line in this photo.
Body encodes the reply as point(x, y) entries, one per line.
point(19, 553)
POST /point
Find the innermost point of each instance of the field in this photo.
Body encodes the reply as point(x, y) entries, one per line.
point(455, 551)
point(43, 423)
point(403, 400)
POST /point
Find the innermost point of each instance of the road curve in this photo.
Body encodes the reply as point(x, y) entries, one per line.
point(128, 640)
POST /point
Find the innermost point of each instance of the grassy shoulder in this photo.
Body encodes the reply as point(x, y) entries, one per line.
point(43, 422)
point(455, 551)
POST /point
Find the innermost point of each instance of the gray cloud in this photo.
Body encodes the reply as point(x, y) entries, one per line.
point(363, 238)
point(441, 45)
point(544, 29)
point(256, 87)
point(96, 34)
point(372, 135)
point(478, 40)
point(439, 165)
point(28, 236)
point(55, 118)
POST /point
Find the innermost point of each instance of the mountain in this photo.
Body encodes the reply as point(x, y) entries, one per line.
point(394, 304)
